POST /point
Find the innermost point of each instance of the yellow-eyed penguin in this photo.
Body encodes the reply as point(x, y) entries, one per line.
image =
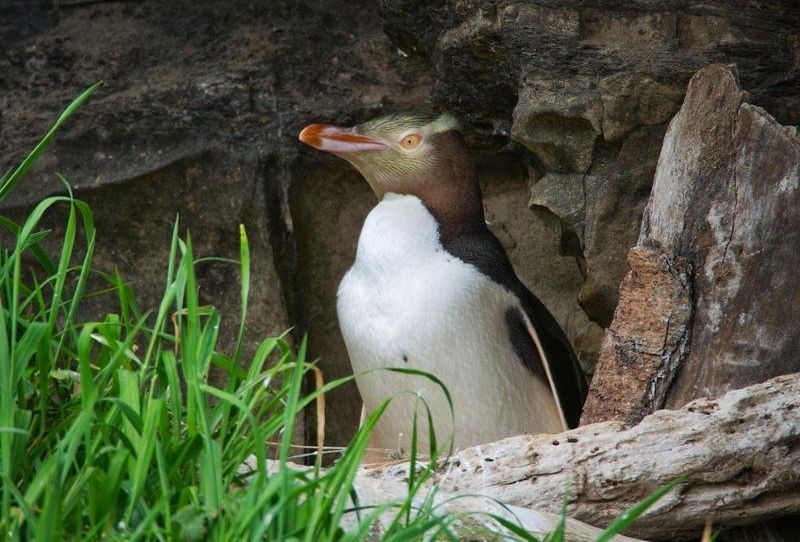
point(432, 289)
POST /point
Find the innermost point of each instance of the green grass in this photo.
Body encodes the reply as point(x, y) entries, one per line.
point(112, 429)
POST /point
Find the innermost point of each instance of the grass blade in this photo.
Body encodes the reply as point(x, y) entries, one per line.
point(16, 176)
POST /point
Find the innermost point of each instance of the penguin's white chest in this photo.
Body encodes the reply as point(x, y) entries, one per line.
point(408, 303)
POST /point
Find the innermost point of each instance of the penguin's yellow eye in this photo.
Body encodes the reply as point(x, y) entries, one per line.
point(411, 141)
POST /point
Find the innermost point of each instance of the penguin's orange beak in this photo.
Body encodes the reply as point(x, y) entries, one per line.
point(338, 140)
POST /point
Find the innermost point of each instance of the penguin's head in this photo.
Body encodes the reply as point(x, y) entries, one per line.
point(406, 154)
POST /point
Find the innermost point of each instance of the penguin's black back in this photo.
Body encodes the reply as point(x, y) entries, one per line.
point(452, 194)
point(483, 250)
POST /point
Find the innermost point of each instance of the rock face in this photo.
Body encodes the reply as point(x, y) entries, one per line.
point(711, 302)
point(565, 104)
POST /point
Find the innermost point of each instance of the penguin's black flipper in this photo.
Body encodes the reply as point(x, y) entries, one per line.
point(566, 373)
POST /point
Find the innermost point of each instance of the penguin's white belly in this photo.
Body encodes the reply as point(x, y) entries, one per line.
point(408, 303)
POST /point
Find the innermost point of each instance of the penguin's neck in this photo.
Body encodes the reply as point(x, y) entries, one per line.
point(452, 193)
point(458, 211)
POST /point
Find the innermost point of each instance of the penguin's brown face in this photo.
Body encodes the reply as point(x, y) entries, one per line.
point(398, 153)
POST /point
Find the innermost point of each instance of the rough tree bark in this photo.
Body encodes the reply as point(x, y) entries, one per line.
point(711, 301)
point(740, 455)
point(646, 340)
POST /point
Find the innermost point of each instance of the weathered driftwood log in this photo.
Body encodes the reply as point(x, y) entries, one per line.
point(475, 511)
point(740, 455)
point(376, 488)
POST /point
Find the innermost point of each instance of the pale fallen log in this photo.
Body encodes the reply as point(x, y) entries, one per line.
point(474, 510)
point(740, 454)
